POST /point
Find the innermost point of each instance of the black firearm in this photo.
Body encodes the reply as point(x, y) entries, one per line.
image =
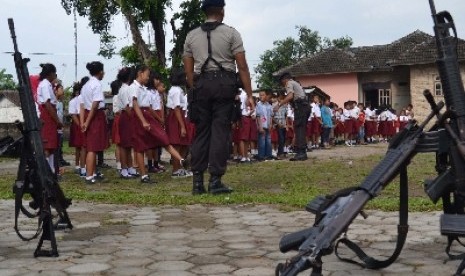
point(446, 138)
point(35, 178)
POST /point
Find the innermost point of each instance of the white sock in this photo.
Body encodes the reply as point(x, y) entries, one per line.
point(51, 162)
point(77, 168)
point(89, 177)
point(83, 171)
point(118, 165)
point(144, 176)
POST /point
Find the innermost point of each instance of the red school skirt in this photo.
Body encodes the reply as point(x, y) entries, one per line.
point(96, 136)
point(339, 129)
point(49, 129)
point(245, 131)
point(253, 131)
point(174, 130)
point(76, 136)
point(370, 128)
point(115, 137)
point(402, 125)
point(126, 129)
point(149, 139)
point(274, 135)
point(316, 127)
point(350, 126)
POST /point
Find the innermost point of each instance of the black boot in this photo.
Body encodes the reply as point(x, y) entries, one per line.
point(301, 155)
point(215, 186)
point(198, 188)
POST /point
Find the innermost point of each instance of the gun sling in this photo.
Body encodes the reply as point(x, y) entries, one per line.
point(402, 230)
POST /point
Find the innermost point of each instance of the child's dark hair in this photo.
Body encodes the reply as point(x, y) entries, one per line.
point(153, 76)
point(115, 86)
point(94, 67)
point(178, 77)
point(124, 75)
point(83, 81)
point(47, 70)
point(76, 89)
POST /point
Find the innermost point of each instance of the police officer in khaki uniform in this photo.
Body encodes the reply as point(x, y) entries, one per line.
point(212, 53)
point(302, 110)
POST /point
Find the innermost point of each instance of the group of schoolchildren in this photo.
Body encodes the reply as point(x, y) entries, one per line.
point(266, 133)
point(142, 124)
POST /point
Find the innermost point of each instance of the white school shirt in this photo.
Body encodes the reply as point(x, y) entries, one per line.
point(74, 106)
point(346, 114)
point(116, 105)
point(354, 112)
point(368, 114)
point(155, 101)
point(403, 118)
point(339, 116)
point(92, 92)
point(184, 102)
point(45, 92)
point(290, 113)
point(141, 93)
point(175, 98)
point(316, 111)
point(245, 109)
point(124, 96)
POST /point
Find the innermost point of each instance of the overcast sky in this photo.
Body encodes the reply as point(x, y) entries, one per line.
point(43, 27)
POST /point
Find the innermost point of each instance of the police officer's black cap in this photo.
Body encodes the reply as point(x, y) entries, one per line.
point(285, 76)
point(212, 3)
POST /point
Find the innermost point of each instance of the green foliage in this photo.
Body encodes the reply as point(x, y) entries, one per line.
point(130, 55)
point(288, 51)
point(190, 16)
point(6, 81)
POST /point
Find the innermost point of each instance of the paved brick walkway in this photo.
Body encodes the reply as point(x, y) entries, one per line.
point(203, 240)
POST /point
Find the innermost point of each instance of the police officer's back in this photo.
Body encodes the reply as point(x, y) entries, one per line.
point(212, 53)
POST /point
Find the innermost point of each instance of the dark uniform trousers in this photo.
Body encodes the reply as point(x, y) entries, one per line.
point(214, 94)
point(302, 111)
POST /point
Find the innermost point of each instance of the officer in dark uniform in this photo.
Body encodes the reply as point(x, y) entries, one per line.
point(302, 109)
point(212, 53)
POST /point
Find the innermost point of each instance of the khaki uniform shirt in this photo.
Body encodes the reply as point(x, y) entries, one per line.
point(294, 87)
point(226, 42)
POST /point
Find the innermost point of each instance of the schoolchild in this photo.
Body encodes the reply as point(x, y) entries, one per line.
point(264, 122)
point(176, 122)
point(316, 122)
point(115, 137)
point(47, 101)
point(126, 124)
point(76, 137)
point(93, 120)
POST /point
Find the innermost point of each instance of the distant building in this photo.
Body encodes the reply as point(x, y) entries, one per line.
point(10, 107)
point(394, 74)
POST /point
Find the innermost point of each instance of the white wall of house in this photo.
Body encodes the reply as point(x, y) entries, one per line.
point(9, 112)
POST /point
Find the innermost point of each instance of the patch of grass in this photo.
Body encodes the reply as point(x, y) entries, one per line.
point(286, 184)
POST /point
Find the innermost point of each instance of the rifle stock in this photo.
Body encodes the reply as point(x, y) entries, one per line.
point(34, 175)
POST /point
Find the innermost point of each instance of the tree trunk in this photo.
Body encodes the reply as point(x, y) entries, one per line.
point(139, 42)
point(159, 34)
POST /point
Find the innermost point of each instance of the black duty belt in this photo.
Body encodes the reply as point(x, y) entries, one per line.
point(217, 74)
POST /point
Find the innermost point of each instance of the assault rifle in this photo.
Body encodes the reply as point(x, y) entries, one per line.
point(446, 138)
point(35, 178)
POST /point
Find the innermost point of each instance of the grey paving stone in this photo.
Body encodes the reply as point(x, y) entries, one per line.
point(213, 269)
point(208, 259)
point(88, 268)
point(256, 271)
point(171, 266)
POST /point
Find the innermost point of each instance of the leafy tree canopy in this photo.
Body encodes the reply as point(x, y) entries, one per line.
point(6, 81)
